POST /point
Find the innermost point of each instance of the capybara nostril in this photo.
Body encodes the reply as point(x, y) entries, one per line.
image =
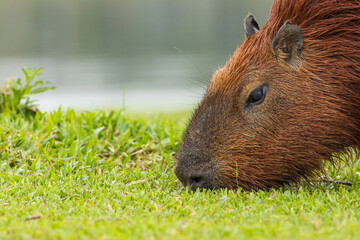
point(196, 182)
point(195, 178)
point(199, 181)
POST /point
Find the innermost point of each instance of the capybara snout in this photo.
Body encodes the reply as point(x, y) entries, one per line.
point(196, 171)
point(284, 104)
point(196, 180)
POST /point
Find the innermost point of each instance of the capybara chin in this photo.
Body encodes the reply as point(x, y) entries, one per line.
point(284, 104)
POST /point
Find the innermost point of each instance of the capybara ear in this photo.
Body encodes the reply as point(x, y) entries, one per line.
point(251, 26)
point(288, 44)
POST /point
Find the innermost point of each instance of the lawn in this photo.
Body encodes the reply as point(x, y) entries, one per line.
point(109, 175)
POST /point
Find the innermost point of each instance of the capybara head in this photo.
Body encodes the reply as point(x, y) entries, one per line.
point(285, 103)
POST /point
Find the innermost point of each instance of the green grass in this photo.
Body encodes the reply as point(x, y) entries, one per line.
point(109, 175)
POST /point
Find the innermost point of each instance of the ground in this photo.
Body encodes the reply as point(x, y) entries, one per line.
point(109, 175)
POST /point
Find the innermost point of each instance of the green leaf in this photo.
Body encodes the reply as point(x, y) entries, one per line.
point(15, 95)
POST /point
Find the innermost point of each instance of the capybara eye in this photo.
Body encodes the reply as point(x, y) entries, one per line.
point(257, 96)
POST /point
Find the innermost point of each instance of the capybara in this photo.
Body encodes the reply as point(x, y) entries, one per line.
point(287, 101)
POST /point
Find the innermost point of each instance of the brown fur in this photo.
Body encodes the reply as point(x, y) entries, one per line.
point(311, 110)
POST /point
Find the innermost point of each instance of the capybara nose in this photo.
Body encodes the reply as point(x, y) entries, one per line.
point(197, 182)
point(194, 179)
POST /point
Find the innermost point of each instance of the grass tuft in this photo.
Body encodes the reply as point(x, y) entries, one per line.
point(15, 95)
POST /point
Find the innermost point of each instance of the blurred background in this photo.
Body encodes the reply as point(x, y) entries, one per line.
point(143, 54)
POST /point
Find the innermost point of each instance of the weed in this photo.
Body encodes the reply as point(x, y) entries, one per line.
point(15, 95)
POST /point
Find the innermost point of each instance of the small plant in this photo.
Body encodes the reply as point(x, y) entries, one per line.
point(15, 95)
